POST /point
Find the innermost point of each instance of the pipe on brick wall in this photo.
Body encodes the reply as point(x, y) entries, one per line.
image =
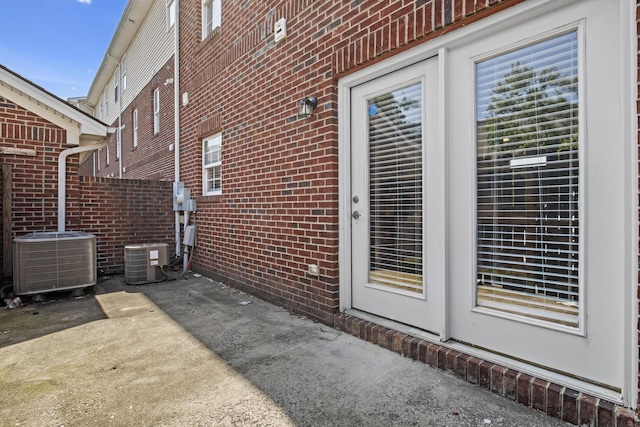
point(176, 100)
point(62, 178)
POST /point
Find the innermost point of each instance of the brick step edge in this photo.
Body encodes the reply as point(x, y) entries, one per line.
point(555, 400)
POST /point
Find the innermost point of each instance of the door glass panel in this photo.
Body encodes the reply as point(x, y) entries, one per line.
point(395, 189)
point(528, 181)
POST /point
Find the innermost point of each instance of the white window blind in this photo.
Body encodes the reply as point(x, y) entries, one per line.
point(395, 179)
point(528, 181)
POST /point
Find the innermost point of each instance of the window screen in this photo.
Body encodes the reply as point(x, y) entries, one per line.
point(528, 181)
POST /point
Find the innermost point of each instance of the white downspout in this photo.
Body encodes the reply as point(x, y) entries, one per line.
point(176, 120)
point(62, 179)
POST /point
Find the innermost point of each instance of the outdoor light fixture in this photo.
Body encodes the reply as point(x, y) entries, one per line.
point(306, 106)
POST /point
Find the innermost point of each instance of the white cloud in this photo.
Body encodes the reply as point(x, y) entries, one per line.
point(85, 1)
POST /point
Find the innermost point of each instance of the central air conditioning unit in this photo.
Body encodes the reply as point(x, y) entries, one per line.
point(143, 262)
point(54, 261)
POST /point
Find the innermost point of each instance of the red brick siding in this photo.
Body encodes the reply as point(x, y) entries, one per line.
point(121, 212)
point(35, 179)
point(152, 159)
point(278, 210)
point(279, 207)
point(118, 212)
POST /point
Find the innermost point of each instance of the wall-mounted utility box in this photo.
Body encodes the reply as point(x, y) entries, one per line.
point(280, 30)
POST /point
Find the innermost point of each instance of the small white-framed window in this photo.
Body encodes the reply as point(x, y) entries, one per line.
point(135, 128)
point(115, 87)
point(156, 111)
point(211, 16)
point(107, 155)
point(97, 157)
point(171, 14)
point(123, 72)
point(118, 142)
point(212, 165)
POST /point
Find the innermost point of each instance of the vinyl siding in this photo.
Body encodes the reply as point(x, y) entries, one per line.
point(151, 48)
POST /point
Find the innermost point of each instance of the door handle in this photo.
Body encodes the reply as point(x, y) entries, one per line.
point(356, 215)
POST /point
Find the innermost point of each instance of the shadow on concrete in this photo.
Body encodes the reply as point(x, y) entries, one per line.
point(225, 358)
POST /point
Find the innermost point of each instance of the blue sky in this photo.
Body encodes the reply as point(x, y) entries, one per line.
point(58, 44)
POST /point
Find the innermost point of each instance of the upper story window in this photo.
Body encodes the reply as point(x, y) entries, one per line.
point(115, 87)
point(156, 111)
point(123, 72)
point(118, 142)
point(211, 16)
point(212, 165)
point(135, 128)
point(171, 14)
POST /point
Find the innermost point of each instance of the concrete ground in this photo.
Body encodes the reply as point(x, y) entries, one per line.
point(198, 353)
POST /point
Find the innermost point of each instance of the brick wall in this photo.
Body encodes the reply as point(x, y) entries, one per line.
point(35, 178)
point(121, 212)
point(152, 158)
point(279, 209)
point(118, 212)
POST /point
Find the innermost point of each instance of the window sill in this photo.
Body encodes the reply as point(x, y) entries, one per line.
point(214, 198)
point(214, 34)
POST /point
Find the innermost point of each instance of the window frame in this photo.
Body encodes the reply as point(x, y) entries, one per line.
point(123, 72)
point(135, 128)
point(115, 87)
point(156, 111)
point(215, 139)
point(171, 14)
point(208, 27)
point(539, 266)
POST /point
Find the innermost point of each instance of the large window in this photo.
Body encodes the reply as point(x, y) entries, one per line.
point(528, 181)
point(211, 16)
point(135, 128)
point(212, 165)
point(156, 111)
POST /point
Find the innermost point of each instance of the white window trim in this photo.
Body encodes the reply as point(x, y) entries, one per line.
point(171, 14)
point(156, 111)
point(116, 94)
point(206, 167)
point(440, 46)
point(123, 72)
point(216, 22)
point(135, 128)
point(118, 142)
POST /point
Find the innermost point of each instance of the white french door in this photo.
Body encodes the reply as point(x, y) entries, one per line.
point(394, 127)
point(490, 193)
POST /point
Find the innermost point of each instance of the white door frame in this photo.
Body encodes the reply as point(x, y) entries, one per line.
point(520, 12)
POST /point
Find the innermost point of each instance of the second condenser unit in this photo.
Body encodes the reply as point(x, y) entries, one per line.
point(143, 262)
